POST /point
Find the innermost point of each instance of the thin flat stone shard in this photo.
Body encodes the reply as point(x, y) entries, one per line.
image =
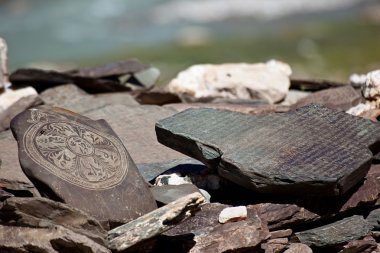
point(81, 162)
point(313, 150)
point(337, 233)
point(341, 98)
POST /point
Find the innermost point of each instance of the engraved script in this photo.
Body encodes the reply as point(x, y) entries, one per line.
point(75, 152)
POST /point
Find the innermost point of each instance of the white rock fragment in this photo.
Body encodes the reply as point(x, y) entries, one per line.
point(358, 80)
point(206, 195)
point(12, 102)
point(172, 179)
point(371, 88)
point(3, 65)
point(359, 109)
point(269, 81)
point(230, 214)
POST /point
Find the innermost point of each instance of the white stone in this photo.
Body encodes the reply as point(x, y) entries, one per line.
point(12, 102)
point(269, 81)
point(233, 214)
point(206, 195)
point(359, 109)
point(358, 80)
point(371, 88)
point(172, 179)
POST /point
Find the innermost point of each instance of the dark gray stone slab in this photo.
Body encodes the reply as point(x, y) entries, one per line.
point(313, 150)
point(168, 193)
point(12, 178)
point(337, 233)
point(73, 98)
point(341, 98)
point(135, 128)
point(81, 162)
point(43, 212)
point(54, 239)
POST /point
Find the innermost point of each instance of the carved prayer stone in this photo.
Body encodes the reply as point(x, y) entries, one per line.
point(81, 162)
point(313, 150)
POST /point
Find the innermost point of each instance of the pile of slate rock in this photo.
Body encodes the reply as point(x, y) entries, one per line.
point(99, 159)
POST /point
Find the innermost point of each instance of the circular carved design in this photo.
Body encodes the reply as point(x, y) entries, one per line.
point(77, 153)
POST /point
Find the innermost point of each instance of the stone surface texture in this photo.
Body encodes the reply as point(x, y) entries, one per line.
point(55, 239)
point(42, 212)
point(153, 223)
point(298, 248)
point(81, 162)
point(269, 81)
point(337, 233)
point(313, 150)
point(341, 98)
point(371, 89)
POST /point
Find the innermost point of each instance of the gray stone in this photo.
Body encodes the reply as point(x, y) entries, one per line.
point(153, 223)
point(12, 178)
point(42, 212)
point(337, 233)
point(313, 150)
point(54, 239)
point(135, 128)
point(341, 98)
point(81, 162)
point(168, 193)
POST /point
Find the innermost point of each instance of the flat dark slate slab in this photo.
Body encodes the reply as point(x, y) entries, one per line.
point(341, 98)
point(81, 162)
point(313, 150)
point(337, 233)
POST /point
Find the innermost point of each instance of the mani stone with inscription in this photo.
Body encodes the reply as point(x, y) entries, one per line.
point(312, 150)
point(81, 162)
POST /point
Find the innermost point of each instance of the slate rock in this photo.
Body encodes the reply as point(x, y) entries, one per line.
point(243, 108)
point(336, 233)
point(12, 178)
point(135, 128)
point(168, 193)
point(55, 239)
point(156, 96)
point(153, 223)
point(341, 98)
point(73, 98)
point(361, 246)
point(313, 150)
point(42, 212)
point(274, 246)
point(81, 162)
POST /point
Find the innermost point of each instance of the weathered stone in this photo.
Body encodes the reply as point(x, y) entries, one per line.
point(12, 102)
point(280, 216)
point(153, 223)
point(172, 179)
point(359, 109)
point(269, 81)
point(281, 233)
point(231, 214)
point(42, 212)
point(55, 239)
point(298, 248)
point(371, 89)
point(313, 150)
point(168, 193)
point(273, 246)
point(337, 233)
point(341, 98)
point(373, 219)
point(157, 97)
point(372, 114)
point(135, 128)
point(243, 108)
point(3, 64)
point(12, 178)
point(44, 79)
point(71, 97)
point(152, 170)
point(367, 245)
point(81, 162)
point(294, 96)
